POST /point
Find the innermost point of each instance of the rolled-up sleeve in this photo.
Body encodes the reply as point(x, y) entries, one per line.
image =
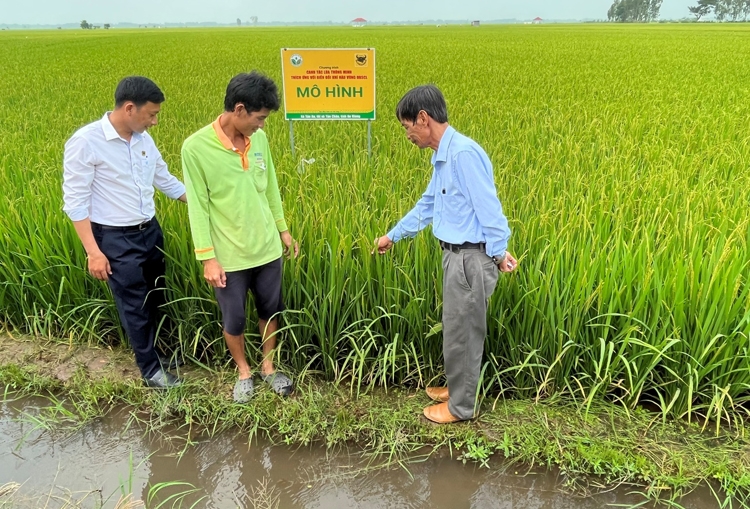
point(78, 174)
point(165, 181)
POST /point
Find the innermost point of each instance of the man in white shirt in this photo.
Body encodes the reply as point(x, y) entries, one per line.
point(111, 167)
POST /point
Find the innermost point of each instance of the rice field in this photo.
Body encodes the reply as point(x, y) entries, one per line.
point(621, 157)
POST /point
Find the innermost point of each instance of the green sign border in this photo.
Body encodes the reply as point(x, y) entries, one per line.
point(369, 115)
point(322, 115)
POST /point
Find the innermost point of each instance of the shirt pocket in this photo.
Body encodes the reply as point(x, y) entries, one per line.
point(148, 162)
point(259, 171)
point(456, 208)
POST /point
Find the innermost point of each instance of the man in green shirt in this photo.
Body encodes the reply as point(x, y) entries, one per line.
point(237, 220)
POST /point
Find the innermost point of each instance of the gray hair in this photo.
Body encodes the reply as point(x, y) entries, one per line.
point(425, 97)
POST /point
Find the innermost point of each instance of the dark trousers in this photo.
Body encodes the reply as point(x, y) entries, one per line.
point(138, 266)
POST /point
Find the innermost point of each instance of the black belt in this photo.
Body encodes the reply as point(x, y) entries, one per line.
point(455, 248)
point(135, 227)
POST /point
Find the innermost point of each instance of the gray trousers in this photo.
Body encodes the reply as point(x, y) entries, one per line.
point(469, 278)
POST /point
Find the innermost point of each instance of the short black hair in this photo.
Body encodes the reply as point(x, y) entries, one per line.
point(254, 90)
point(138, 90)
point(425, 97)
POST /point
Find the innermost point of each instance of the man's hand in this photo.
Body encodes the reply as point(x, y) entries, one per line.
point(383, 244)
point(97, 261)
point(508, 263)
point(99, 266)
point(214, 273)
point(288, 241)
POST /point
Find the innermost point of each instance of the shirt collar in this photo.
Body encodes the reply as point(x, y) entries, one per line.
point(442, 151)
point(223, 138)
point(110, 133)
point(109, 130)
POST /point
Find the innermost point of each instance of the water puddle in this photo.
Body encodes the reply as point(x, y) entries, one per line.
point(93, 466)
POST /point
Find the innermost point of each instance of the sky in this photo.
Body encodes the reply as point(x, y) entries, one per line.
point(227, 11)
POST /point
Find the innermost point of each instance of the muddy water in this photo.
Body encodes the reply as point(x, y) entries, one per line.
point(94, 465)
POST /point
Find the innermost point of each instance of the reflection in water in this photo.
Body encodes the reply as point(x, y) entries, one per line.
point(99, 457)
point(110, 456)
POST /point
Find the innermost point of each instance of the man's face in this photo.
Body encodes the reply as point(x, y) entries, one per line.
point(417, 131)
point(142, 117)
point(250, 121)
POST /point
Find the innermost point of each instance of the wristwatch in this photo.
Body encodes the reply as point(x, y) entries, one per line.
point(497, 260)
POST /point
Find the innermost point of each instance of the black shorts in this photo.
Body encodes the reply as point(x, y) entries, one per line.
point(265, 284)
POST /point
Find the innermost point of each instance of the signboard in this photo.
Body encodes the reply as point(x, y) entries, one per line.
point(328, 84)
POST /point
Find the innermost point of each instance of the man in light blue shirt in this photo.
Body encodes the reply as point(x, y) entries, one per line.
point(461, 204)
point(111, 167)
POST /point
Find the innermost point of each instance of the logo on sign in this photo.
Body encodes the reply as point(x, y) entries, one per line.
point(360, 59)
point(296, 60)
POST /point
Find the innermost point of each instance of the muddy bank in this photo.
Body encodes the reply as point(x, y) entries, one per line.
point(594, 451)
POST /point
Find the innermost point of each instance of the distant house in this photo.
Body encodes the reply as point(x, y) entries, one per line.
point(537, 21)
point(475, 23)
point(359, 22)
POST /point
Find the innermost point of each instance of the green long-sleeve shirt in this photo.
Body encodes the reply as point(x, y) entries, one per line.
point(233, 198)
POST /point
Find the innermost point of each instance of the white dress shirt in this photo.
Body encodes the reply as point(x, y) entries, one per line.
point(110, 180)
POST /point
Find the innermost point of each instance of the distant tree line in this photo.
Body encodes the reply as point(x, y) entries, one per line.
point(88, 26)
point(723, 10)
point(634, 11)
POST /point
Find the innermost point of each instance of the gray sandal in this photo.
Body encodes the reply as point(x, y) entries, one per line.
point(243, 390)
point(279, 382)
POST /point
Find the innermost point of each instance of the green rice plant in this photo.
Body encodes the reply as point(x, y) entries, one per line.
point(621, 158)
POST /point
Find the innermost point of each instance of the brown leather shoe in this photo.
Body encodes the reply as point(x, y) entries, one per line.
point(440, 414)
point(439, 394)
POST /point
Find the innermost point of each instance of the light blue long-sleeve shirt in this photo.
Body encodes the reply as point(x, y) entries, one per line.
point(461, 200)
point(111, 180)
